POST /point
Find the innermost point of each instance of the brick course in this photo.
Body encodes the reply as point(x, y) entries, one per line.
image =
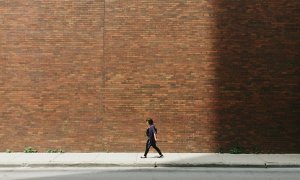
point(84, 75)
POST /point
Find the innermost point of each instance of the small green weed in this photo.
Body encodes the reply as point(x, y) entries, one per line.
point(237, 149)
point(29, 150)
point(8, 151)
point(55, 151)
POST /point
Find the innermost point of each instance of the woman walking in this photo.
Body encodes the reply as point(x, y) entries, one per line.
point(151, 134)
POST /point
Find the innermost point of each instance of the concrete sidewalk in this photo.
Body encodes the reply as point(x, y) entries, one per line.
point(134, 160)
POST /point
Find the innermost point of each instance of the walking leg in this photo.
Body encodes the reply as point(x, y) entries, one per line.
point(148, 145)
point(157, 149)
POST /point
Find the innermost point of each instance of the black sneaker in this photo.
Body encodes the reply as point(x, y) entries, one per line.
point(143, 156)
point(161, 156)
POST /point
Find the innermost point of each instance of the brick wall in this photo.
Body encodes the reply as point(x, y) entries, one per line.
point(51, 57)
point(84, 75)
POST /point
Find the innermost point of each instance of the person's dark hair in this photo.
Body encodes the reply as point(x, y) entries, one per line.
point(150, 121)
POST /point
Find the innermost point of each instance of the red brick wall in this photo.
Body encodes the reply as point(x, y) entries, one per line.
point(51, 56)
point(84, 75)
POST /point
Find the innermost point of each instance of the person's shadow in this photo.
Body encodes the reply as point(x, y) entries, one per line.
point(151, 157)
point(155, 157)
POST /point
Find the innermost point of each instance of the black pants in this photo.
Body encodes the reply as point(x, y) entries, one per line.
point(153, 144)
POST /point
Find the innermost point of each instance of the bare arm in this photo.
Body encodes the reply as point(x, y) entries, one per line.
point(155, 137)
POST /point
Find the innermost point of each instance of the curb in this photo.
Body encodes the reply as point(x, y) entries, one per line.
point(151, 165)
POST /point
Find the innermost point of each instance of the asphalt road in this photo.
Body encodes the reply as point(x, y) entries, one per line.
point(149, 173)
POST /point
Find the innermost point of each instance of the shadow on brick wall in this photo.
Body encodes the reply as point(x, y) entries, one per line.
point(257, 95)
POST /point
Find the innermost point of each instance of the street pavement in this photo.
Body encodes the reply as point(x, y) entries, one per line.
point(134, 160)
point(159, 173)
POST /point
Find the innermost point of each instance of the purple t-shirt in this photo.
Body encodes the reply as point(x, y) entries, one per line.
point(151, 133)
